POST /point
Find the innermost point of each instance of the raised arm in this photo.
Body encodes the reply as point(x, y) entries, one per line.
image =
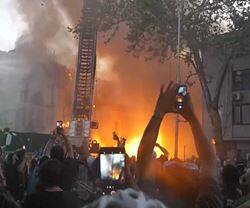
point(145, 150)
point(68, 146)
point(147, 144)
point(49, 145)
point(59, 134)
point(208, 184)
point(203, 144)
point(164, 150)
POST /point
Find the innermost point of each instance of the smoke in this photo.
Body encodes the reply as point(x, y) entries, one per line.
point(43, 59)
point(126, 93)
point(46, 33)
point(126, 88)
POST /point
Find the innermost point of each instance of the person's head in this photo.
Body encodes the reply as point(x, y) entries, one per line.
point(57, 152)
point(126, 199)
point(50, 173)
point(230, 176)
point(179, 183)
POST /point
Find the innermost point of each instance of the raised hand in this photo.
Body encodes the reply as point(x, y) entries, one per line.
point(166, 100)
point(188, 110)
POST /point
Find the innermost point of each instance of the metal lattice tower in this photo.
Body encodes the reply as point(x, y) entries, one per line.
point(85, 74)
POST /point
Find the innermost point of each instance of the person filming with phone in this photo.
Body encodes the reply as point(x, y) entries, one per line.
point(58, 138)
point(179, 186)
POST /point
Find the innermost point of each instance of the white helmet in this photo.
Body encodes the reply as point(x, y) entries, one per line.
point(128, 198)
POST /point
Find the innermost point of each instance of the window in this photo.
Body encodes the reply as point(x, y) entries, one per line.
point(236, 114)
point(241, 114)
point(246, 114)
point(241, 80)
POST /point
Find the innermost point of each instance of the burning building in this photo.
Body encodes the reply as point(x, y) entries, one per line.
point(126, 88)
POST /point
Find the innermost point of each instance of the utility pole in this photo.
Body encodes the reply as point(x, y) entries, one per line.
point(178, 75)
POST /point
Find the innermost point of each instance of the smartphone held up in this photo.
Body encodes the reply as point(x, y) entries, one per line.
point(112, 167)
point(59, 127)
point(181, 96)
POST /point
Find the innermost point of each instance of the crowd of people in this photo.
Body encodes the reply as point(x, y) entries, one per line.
point(64, 177)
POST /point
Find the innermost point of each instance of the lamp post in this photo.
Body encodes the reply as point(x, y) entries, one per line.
point(178, 74)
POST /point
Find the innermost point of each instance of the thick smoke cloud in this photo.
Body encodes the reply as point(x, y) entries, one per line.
point(46, 33)
point(126, 87)
point(126, 94)
point(41, 65)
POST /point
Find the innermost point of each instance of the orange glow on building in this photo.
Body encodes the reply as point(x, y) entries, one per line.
point(125, 93)
point(133, 141)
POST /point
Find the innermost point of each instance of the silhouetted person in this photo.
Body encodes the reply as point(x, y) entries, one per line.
point(51, 194)
point(69, 165)
point(16, 171)
point(230, 179)
point(179, 186)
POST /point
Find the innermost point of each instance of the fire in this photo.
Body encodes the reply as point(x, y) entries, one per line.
point(66, 124)
point(131, 144)
point(96, 137)
point(124, 100)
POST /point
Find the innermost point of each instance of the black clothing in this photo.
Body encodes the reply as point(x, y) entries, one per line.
point(45, 199)
point(69, 174)
point(13, 178)
point(209, 194)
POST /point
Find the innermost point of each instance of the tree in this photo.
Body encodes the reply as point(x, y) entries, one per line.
point(152, 30)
